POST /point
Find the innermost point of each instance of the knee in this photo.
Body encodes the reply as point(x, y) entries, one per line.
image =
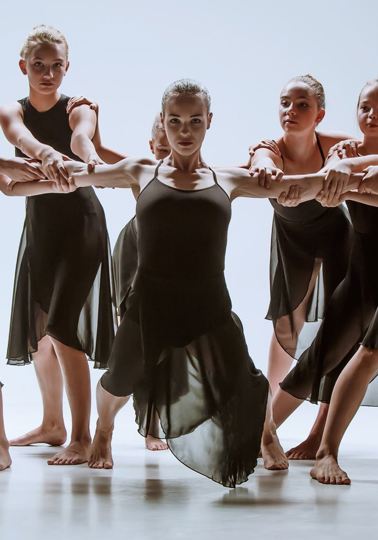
point(368, 359)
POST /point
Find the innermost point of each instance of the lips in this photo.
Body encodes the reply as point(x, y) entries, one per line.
point(185, 143)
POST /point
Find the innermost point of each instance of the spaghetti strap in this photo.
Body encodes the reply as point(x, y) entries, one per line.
point(218, 184)
point(320, 147)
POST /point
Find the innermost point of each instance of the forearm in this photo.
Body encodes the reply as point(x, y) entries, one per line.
point(103, 176)
point(33, 148)
point(359, 164)
point(364, 198)
point(22, 189)
point(109, 156)
point(83, 147)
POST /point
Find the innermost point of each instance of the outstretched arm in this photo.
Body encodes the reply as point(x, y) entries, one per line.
point(12, 189)
point(238, 183)
point(124, 174)
point(16, 132)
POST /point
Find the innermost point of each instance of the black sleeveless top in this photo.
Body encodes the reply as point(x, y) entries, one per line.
point(43, 126)
point(52, 128)
point(307, 211)
point(181, 232)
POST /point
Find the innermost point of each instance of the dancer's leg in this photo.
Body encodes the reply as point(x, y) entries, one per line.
point(77, 383)
point(52, 430)
point(5, 459)
point(100, 456)
point(347, 396)
point(274, 457)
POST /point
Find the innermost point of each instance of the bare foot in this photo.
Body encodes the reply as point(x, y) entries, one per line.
point(272, 452)
point(327, 471)
point(5, 459)
point(100, 456)
point(54, 436)
point(76, 453)
point(306, 450)
point(152, 443)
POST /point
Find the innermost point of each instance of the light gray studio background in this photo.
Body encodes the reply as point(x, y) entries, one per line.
point(123, 54)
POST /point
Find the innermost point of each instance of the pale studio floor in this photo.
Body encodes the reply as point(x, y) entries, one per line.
point(151, 495)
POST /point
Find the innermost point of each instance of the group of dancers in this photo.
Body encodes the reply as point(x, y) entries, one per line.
point(173, 342)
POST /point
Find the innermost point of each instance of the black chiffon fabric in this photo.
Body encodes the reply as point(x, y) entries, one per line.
point(125, 264)
point(350, 318)
point(63, 274)
point(179, 349)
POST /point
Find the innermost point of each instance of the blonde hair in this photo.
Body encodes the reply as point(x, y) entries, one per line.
point(314, 85)
point(42, 35)
point(185, 87)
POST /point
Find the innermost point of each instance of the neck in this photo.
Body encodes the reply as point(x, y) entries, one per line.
point(186, 163)
point(369, 145)
point(299, 146)
point(43, 102)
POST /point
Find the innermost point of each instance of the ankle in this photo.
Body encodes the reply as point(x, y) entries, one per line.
point(4, 443)
point(53, 425)
point(325, 451)
point(82, 439)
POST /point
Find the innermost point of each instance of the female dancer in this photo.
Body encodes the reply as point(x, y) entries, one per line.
point(21, 171)
point(174, 346)
point(352, 316)
point(62, 300)
point(309, 242)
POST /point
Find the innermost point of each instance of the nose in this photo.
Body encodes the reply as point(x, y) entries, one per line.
point(48, 72)
point(372, 113)
point(291, 110)
point(185, 129)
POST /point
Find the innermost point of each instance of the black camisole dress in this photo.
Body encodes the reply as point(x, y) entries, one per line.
point(179, 349)
point(62, 282)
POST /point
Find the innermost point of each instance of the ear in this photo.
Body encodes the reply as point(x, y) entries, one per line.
point(22, 65)
point(209, 119)
point(67, 66)
point(151, 143)
point(320, 116)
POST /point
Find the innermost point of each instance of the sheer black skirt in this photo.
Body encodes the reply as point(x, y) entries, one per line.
point(308, 261)
point(125, 264)
point(63, 278)
point(182, 353)
point(350, 319)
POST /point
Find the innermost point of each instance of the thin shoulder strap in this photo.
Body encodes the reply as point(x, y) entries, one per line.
point(218, 184)
point(157, 170)
point(214, 177)
point(320, 147)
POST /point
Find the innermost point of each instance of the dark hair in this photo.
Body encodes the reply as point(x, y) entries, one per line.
point(185, 87)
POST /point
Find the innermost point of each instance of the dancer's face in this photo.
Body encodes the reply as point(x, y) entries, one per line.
point(367, 112)
point(45, 67)
point(299, 110)
point(186, 119)
point(159, 144)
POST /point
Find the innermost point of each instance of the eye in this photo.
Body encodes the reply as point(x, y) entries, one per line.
point(58, 65)
point(285, 103)
point(303, 105)
point(196, 120)
point(38, 64)
point(364, 108)
point(174, 121)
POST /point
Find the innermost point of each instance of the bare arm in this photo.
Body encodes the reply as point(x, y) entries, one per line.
point(109, 156)
point(17, 133)
point(266, 164)
point(364, 198)
point(83, 122)
point(13, 189)
point(238, 183)
point(124, 174)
